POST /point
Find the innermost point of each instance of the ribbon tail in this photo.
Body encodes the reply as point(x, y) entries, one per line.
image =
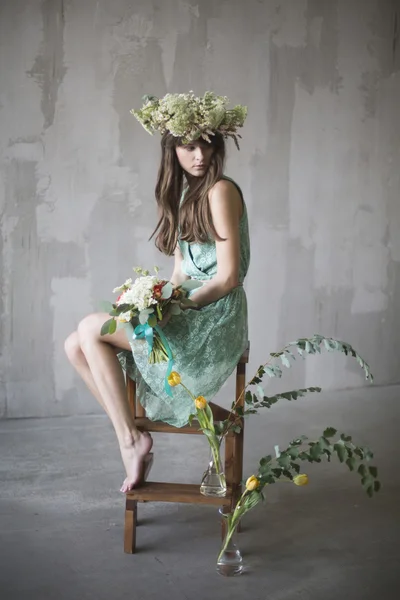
point(164, 340)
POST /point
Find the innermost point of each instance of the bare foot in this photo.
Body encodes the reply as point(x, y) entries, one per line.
point(133, 456)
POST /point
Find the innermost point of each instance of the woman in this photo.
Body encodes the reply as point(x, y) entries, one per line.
point(203, 223)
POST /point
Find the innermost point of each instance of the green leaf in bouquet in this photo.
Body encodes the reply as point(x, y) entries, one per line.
point(190, 285)
point(191, 417)
point(152, 320)
point(188, 302)
point(122, 308)
point(108, 327)
point(167, 290)
point(159, 313)
point(285, 361)
point(174, 308)
point(105, 306)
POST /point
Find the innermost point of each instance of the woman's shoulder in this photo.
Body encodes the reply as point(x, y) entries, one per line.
point(226, 192)
point(225, 187)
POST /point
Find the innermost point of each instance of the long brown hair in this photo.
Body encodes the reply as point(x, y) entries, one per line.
point(193, 217)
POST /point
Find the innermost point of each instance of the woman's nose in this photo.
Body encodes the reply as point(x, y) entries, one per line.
point(199, 155)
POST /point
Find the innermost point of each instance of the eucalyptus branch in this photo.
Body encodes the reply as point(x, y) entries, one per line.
point(286, 463)
point(302, 346)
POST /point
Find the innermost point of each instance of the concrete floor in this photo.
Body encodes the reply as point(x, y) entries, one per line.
point(61, 516)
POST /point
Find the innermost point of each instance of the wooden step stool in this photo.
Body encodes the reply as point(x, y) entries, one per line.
point(183, 492)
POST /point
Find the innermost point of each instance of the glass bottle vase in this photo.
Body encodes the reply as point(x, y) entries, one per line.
point(229, 561)
point(213, 482)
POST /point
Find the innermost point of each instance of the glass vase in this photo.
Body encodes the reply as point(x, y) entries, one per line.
point(229, 561)
point(213, 482)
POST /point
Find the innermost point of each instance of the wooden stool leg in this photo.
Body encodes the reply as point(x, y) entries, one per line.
point(130, 527)
point(238, 439)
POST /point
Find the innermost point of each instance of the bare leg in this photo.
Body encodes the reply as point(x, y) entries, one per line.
point(78, 360)
point(98, 365)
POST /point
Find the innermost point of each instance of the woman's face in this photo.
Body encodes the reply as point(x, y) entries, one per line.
point(195, 157)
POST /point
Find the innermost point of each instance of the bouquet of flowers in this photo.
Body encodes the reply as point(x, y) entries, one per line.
point(144, 303)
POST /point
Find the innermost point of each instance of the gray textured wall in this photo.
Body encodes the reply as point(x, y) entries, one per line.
point(319, 166)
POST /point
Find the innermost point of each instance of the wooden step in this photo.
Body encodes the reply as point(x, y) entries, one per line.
point(145, 424)
point(173, 492)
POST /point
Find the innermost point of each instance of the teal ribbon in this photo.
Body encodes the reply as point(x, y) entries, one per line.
point(146, 332)
point(164, 340)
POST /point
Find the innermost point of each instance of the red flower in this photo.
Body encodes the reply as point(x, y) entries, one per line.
point(157, 290)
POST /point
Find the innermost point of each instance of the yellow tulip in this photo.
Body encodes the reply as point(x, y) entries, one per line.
point(301, 479)
point(252, 483)
point(200, 402)
point(174, 378)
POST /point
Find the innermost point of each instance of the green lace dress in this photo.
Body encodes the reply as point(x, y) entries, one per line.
point(206, 343)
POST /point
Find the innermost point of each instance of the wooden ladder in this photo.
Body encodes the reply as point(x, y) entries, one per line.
point(152, 491)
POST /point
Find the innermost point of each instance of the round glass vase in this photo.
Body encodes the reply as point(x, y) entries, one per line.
point(230, 560)
point(213, 482)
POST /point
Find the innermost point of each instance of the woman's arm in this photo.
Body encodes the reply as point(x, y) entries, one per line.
point(178, 276)
point(226, 208)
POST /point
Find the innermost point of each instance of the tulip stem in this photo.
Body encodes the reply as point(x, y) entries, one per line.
point(188, 391)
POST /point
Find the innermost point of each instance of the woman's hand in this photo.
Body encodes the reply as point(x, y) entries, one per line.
point(164, 320)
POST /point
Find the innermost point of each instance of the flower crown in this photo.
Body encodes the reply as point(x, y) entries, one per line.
point(190, 117)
